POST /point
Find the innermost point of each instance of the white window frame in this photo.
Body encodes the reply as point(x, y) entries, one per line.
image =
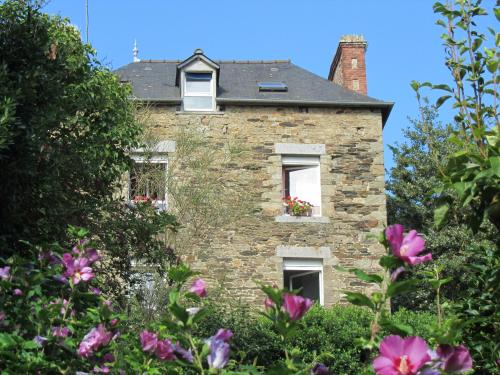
point(307, 266)
point(161, 205)
point(197, 94)
point(303, 161)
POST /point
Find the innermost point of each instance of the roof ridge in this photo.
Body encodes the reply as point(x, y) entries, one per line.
point(159, 61)
point(254, 61)
point(223, 61)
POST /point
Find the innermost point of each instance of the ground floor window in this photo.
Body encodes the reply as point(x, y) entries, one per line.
point(306, 275)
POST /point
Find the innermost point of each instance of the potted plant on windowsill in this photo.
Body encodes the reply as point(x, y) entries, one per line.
point(297, 207)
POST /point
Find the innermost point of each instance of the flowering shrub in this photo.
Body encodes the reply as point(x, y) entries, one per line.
point(296, 206)
point(53, 317)
point(410, 355)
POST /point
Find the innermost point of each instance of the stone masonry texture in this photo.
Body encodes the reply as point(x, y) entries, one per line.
point(352, 188)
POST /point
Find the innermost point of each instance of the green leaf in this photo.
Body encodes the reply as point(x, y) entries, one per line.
point(360, 274)
point(497, 13)
point(28, 345)
point(390, 261)
point(442, 87)
point(359, 299)
point(440, 215)
point(402, 287)
point(495, 165)
point(180, 313)
point(415, 85)
point(6, 341)
point(180, 274)
point(441, 100)
point(396, 328)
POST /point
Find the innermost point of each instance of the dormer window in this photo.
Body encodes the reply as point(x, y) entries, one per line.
point(198, 91)
point(197, 79)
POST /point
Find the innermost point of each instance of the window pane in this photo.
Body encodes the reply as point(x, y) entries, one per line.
point(303, 183)
point(198, 83)
point(198, 103)
point(148, 180)
point(197, 87)
point(198, 76)
point(307, 281)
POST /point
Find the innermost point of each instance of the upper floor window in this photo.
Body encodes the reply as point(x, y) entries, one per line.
point(198, 91)
point(301, 185)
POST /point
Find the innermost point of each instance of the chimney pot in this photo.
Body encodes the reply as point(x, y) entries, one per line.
point(348, 67)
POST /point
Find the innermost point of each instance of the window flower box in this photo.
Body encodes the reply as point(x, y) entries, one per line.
point(297, 207)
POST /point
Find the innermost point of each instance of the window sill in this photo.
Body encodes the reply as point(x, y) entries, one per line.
point(302, 219)
point(180, 113)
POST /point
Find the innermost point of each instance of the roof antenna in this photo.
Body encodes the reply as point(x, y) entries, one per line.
point(135, 51)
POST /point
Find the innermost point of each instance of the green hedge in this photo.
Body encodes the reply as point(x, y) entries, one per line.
point(331, 331)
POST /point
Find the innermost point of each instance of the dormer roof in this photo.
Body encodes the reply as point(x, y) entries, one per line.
point(197, 55)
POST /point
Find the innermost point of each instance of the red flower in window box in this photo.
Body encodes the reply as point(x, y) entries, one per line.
point(297, 207)
point(141, 199)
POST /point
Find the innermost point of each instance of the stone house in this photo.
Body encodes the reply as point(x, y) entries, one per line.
point(308, 137)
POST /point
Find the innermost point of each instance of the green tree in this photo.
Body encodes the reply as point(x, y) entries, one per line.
point(66, 124)
point(411, 201)
point(66, 128)
point(471, 175)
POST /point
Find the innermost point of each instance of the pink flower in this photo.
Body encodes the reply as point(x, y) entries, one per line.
point(78, 269)
point(296, 306)
point(102, 370)
point(456, 360)
point(199, 288)
point(113, 322)
point(149, 341)
point(406, 247)
point(60, 331)
point(187, 355)
point(398, 271)
point(4, 273)
point(268, 303)
point(2, 315)
point(165, 350)
point(222, 334)
point(96, 338)
point(400, 356)
point(18, 292)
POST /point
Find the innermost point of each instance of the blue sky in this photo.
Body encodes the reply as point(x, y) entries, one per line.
point(403, 40)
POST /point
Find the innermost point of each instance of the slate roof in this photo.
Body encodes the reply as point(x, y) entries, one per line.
point(154, 80)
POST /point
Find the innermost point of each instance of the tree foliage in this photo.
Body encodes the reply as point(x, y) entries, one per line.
point(65, 126)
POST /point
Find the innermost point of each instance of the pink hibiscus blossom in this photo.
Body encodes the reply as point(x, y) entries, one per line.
point(78, 269)
point(406, 247)
point(296, 306)
point(448, 359)
point(400, 356)
point(268, 303)
point(4, 273)
point(149, 341)
point(60, 331)
point(165, 350)
point(199, 288)
point(97, 337)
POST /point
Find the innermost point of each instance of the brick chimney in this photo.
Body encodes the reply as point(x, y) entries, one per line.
point(348, 67)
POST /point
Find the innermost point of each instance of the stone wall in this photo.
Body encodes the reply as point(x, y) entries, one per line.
point(352, 185)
